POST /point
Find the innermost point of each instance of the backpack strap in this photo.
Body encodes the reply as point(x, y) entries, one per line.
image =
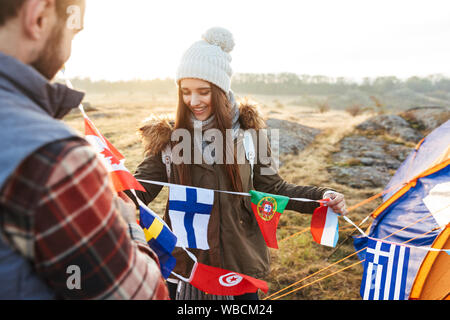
point(167, 159)
point(249, 147)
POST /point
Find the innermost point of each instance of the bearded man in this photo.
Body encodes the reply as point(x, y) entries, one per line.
point(64, 233)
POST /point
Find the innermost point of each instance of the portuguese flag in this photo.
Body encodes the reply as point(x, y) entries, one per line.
point(268, 209)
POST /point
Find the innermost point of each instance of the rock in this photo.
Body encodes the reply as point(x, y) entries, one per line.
point(361, 177)
point(393, 125)
point(294, 137)
point(426, 118)
point(87, 108)
point(366, 162)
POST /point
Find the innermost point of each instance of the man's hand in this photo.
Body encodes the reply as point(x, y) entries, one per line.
point(337, 202)
point(126, 207)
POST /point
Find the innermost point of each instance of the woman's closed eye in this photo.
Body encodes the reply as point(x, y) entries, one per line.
point(205, 92)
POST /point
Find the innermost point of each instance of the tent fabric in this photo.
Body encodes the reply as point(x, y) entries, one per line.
point(404, 206)
point(429, 152)
point(433, 278)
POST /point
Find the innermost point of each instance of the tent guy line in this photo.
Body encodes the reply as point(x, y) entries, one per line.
point(274, 296)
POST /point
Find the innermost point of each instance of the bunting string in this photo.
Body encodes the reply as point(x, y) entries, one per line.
point(352, 254)
point(338, 271)
point(245, 194)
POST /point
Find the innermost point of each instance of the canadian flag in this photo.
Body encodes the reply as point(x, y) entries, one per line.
point(222, 282)
point(113, 160)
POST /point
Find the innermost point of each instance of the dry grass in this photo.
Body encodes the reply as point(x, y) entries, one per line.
point(301, 256)
point(119, 116)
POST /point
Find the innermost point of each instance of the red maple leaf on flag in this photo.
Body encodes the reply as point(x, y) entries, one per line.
point(108, 155)
point(121, 178)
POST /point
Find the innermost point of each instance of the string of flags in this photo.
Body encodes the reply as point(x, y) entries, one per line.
point(189, 211)
point(385, 265)
point(190, 216)
point(245, 194)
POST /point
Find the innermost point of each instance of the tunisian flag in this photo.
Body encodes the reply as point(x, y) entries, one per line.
point(112, 159)
point(222, 282)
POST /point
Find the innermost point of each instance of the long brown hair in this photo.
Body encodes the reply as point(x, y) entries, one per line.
point(222, 110)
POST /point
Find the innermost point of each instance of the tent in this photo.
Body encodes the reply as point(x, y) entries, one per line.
point(432, 281)
point(416, 211)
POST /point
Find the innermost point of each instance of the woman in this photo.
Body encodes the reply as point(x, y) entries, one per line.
point(206, 102)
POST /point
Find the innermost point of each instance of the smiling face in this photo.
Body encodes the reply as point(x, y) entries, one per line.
point(197, 96)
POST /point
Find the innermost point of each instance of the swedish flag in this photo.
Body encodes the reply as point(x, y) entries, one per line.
point(159, 237)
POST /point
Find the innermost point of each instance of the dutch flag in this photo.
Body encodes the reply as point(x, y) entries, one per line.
point(325, 226)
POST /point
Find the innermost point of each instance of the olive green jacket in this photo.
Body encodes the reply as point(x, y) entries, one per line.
point(234, 237)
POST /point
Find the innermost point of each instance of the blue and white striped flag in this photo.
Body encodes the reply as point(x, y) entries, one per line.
point(385, 271)
point(189, 212)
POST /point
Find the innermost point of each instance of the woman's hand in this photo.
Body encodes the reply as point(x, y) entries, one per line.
point(336, 203)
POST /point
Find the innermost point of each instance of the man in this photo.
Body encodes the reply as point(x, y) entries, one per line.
point(64, 233)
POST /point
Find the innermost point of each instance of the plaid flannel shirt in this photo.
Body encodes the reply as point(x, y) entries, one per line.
point(58, 210)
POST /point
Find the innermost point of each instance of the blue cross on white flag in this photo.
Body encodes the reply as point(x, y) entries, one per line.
point(189, 212)
point(385, 271)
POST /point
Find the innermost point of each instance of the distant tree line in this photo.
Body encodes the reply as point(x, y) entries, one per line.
point(155, 86)
point(309, 90)
point(283, 84)
point(293, 84)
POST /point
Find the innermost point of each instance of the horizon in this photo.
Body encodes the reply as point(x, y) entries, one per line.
point(333, 79)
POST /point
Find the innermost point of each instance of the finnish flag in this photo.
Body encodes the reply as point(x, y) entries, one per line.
point(385, 271)
point(189, 212)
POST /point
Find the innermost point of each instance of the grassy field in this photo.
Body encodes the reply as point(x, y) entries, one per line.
point(119, 115)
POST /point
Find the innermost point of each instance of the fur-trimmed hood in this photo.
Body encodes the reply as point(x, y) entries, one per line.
point(155, 133)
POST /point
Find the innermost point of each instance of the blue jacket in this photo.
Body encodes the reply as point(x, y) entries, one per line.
point(29, 111)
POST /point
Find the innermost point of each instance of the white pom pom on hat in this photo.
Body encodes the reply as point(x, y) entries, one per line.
point(209, 59)
point(220, 37)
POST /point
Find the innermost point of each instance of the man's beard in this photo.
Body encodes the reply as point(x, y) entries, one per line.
point(50, 61)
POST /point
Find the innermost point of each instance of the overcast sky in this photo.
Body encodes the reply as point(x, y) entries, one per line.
point(337, 38)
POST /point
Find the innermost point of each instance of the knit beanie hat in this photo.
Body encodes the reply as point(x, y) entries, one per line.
point(209, 59)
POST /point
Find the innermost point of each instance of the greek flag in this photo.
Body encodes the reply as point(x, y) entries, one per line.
point(189, 212)
point(385, 271)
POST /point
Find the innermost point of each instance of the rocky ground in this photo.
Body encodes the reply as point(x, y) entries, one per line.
point(369, 155)
point(293, 136)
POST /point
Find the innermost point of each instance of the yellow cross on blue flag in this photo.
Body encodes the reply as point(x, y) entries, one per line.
point(159, 237)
